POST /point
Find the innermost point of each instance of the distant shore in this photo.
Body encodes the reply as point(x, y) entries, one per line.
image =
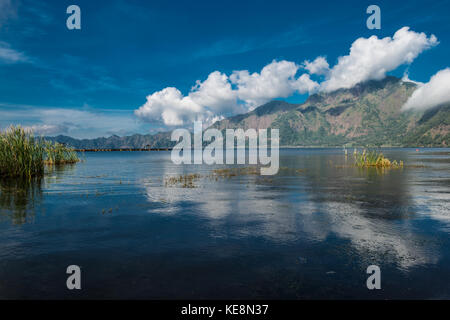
point(281, 147)
point(123, 150)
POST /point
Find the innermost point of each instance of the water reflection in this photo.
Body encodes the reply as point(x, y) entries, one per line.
point(312, 200)
point(19, 199)
point(309, 231)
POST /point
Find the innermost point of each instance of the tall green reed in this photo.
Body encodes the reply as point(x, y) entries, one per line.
point(24, 155)
point(21, 154)
point(57, 153)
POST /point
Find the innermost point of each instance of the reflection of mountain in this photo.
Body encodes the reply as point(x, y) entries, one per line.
point(368, 114)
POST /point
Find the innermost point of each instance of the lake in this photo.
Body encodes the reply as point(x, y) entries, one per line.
point(139, 232)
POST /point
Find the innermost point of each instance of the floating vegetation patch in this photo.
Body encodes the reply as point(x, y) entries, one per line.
point(189, 180)
point(291, 171)
point(368, 159)
point(184, 181)
point(233, 172)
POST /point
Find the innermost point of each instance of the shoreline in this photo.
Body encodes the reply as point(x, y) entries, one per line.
point(281, 147)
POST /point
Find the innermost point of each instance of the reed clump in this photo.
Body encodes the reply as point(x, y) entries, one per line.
point(24, 155)
point(21, 154)
point(374, 159)
point(57, 154)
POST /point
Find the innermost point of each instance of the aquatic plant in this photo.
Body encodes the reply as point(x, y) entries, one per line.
point(57, 153)
point(24, 155)
point(21, 154)
point(185, 181)
point(374, 159)
point(233, 172)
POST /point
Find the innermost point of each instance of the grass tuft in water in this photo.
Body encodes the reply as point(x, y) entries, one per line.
point(374, 159)
point(24, 155)
point(21, 154)
point(57, 153)
point(185, 181)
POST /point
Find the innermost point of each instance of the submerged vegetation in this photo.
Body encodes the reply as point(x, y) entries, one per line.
point(232, 172)
point(374, 159)
point(24, 155)
point(185, 181)
point(190, 180)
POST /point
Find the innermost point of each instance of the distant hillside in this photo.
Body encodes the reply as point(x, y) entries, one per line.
point(366, 115)
point(159, 140)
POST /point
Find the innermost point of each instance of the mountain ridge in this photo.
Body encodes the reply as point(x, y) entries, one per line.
point(368, 114)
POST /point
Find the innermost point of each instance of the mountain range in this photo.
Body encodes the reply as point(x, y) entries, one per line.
point(369, 114)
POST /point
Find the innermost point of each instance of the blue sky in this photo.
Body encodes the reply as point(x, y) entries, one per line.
point(89, 82)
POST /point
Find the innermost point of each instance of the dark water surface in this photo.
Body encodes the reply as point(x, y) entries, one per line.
point(309, 232)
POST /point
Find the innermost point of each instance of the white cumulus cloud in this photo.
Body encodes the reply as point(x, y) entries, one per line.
point(220, 95)
point(431, 94)
point(215, 93)
point(276, 80)
point(170, 106)
point(406, 78)
point(371, 58)
point(207, 101)
point(319, 66)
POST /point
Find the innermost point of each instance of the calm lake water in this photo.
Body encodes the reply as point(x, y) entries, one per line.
point(309, 232)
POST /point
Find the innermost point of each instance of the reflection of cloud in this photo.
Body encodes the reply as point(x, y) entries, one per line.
point(375, 239)
point(246, 206)
point(219, 203)
point(434, 201)
point(169, 197)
